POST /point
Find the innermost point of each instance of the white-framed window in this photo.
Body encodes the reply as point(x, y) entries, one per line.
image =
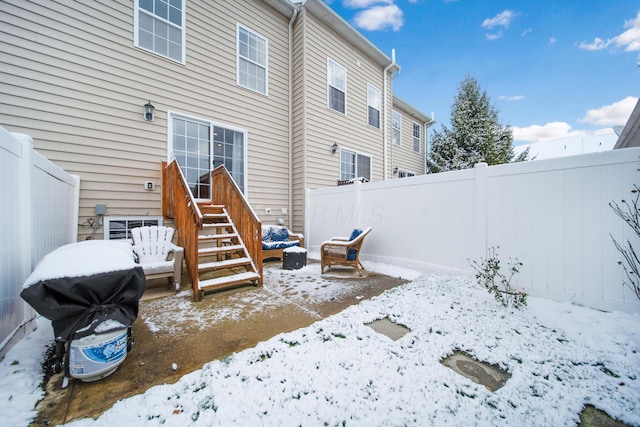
point(119, 227)
point(416, 137)
point(336, 86)
point(405, 174)
point(396, 127)
point(374, 104)
point(354, 165)
point(159, 27)
point(253, 54)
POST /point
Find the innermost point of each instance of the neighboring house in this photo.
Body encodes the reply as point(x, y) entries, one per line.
point(408, 136)
point(630, 136)
point(602, 140)
point(266, 88)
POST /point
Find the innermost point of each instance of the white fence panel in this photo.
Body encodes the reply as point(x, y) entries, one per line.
point(553, 215)
point(39, 214)
point(12, 271)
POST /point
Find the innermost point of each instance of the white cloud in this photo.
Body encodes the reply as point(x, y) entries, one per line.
point(596, 44)
point(552, 40)
point(494, 36)
point(629, 39)
point(609, 115)
point(511, 98)
point(527, 31)
point(503, 19)
point(380, 18)
point(538, 133)
point(615, 114)
point(363, 4)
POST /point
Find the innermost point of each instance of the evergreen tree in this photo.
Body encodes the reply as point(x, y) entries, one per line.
point(476, 134)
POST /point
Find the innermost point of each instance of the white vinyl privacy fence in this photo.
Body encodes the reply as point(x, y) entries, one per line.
point(39, 213)
point(553, 215)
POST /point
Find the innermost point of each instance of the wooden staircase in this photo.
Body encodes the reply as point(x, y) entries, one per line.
point(223, 259)
point(222, 238)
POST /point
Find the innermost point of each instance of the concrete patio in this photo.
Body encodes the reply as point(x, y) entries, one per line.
point(171, 330)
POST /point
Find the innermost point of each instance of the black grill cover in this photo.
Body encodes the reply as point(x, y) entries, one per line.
point(77, 305)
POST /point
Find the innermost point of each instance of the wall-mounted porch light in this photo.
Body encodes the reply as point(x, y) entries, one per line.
point(334, 148)
point(148, 111)
point(395, 170)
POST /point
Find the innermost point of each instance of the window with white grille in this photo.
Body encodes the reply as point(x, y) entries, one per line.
point(336, 86)
point(374, 103)
point(354, 165)
point(416, 137)
point(159, 27)
point(252, 60)
point(396, 128)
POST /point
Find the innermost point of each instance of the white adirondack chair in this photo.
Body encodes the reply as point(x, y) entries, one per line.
point(157, 255)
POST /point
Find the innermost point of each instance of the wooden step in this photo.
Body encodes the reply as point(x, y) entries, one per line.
point(217, 236)
point(209, 205)
point(225, 281)
point(217, 225)
point(219, 249)
point(214, 215)
point(220, 265)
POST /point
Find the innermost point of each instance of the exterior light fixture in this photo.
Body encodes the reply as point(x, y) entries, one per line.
point(334, 148)
point(395, 170)
point(148, 111)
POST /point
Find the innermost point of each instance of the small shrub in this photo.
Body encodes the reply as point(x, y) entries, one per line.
point(498, 283)
point(630, 214)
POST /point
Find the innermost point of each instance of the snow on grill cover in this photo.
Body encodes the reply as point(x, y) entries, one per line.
point(86, 287)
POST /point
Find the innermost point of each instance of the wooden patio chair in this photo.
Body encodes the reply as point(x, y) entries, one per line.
point(157, 255)
point(344, 251)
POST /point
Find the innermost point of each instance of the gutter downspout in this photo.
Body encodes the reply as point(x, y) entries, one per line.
point(384, 117)
point(290, 130)
point(427, 125)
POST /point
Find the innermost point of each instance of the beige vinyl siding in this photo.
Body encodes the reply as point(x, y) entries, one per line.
point(73, 80)
point(322, 127)
point(403, 156)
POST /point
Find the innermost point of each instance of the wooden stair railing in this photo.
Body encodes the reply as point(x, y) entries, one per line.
point(222, 239)
point(178, 203)
point(224, 191)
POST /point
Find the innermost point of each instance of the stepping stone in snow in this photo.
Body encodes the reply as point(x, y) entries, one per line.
point(395, 331)
point(490, 376)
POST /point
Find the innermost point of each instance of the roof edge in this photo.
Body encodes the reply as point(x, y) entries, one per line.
point(630, 136)
point(414, 112)
point(334, 21)
point(285, 7)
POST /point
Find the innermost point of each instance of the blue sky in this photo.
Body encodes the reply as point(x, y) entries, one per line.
point(552, 68)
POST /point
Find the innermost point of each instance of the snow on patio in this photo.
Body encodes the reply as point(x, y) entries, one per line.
point(339, 371)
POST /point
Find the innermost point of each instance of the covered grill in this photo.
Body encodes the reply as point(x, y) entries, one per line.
point(90, 291)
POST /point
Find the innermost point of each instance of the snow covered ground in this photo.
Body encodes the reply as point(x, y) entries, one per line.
point(340, 372)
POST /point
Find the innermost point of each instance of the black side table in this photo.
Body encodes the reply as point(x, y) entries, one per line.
point(294, 258)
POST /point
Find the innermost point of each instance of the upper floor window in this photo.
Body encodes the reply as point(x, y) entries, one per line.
point(374, 104)
point(160, 27)
point(354, 165)
point(252, 60)
point(396, 128)
point(416, 137)
point(336, 86)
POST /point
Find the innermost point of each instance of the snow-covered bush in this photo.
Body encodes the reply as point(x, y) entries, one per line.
point(488, 274)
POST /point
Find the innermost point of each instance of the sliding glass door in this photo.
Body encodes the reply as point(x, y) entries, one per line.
point(200, 146)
